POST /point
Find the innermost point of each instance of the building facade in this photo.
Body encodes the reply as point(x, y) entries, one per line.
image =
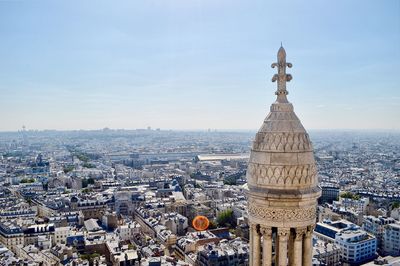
point(330, 193)
point(376, 226)
point(357, 246)
point(391, 239)
point(283, 184)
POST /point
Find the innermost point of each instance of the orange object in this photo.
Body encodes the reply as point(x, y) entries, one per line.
point(200, 223)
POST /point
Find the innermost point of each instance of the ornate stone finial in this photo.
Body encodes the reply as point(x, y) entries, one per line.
point(281, 77)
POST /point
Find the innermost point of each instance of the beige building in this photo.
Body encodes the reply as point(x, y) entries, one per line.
point(40, 257)
point(61, 234)
point(12, 239)
point(283, 185)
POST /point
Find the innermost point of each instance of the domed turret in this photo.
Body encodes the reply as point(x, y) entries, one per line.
point(282, 182)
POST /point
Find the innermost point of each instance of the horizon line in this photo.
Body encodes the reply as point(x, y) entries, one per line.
point(211, 130)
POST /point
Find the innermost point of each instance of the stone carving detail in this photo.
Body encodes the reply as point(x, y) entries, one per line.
point(281, 115)
point(282, 183)
point(266, 231)
point(283, 233)
point(284, 142)
point(254, 227)
point(281, 77)
point(300, 231)
point(309, 230)
point(281, 108)
point(275, 214)
point(281, 175)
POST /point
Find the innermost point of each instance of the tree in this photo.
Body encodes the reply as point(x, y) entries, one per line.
point(90, 257)
point(226, 218)
point(86, 190)
point(68, 168)
point(349, 195)
point(212, 225)
point(87, 181)
point(230, 180)
point(27, 180)
point(89, 165)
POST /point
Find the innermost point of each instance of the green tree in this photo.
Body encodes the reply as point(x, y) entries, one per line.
point(226, 218)
point(213, 225)
point(87, 181)
point(27, 180)
point(68, 168)
point(83, 157)
point(132, 246)
point(230, 180)
point(90, 257)
point(89, 165)
point(86, 190)
point(349, 195)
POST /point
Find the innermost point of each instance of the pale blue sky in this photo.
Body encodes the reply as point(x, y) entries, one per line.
point(188, 64)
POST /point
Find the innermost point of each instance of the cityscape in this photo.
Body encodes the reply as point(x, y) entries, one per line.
point(162, 133)
point(109, 196)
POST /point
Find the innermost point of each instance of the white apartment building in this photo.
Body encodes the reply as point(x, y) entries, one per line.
point(177, 223)
point(357, 246)
point(391, 240)
point(348, 204)
point(376, 226)
point(127, 231)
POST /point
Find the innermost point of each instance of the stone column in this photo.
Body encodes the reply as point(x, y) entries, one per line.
point(283, 235)
point(298, 245)
point(290, 248)
point(276, 246)
point(256, 238)
point(251, 244)
point(307, 247)
point(267, 245)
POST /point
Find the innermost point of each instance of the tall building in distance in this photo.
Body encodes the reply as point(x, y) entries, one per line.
point(283, 184)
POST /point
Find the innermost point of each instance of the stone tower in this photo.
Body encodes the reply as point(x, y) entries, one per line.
point(283, 184)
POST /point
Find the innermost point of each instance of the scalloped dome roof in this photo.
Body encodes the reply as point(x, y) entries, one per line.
point(282, 155)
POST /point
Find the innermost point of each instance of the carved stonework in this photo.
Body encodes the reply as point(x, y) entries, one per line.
point(278, 214)
point(282, 183)
point(253, 227)
point(281, 107)
point(281, 115)
point(281, 77)
point(300, 232)
point(284, 142)
point(276, 126)
point(266, 231)
point(310, 230)
point(281, 175)
point(283, 233)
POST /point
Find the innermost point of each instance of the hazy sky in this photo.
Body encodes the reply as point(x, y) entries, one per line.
point(188, 64)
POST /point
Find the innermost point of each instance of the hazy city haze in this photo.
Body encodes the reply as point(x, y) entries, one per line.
point(197, 64)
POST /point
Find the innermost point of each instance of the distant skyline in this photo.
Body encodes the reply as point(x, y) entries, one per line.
point(197, 64)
